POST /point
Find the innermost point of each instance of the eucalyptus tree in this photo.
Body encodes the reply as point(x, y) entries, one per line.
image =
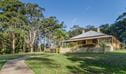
point(3, 34)
point(75, 30)
point(122, 16)
point(15, 31)
point(49, 27)
point(34, 14)
point(59, 36)
point(22, 25)
point(105, 28)
point(90, 27)
point(13, 11)
point(117, 29)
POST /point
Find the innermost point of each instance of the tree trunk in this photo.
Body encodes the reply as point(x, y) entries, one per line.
point(30, 44)
point(31, 48)
point(44, 44)
point(13, 43)
point(40, 49)
point(24, 47)
point(32, 40)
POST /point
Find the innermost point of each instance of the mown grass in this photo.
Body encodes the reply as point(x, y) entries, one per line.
point(49, 64)
point(5, 58)
point(78, 63)
point(74, 63)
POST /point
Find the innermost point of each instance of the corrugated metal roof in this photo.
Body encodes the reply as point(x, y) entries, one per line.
point(87, 38)
point(89, 34)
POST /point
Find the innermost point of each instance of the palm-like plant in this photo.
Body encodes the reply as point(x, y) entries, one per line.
point(103, 44)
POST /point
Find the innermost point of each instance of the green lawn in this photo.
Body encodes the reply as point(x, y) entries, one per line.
point(5, 58)
point(78, 63)
point(74, 63)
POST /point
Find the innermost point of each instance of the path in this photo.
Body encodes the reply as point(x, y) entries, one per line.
point(16, 66)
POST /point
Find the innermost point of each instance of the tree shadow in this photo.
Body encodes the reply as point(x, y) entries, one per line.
point(6, 58)
point(97, 63)
point(37, 61)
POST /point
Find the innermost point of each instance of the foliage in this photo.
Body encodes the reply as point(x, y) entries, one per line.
point(23, 25)
point(104, 44)
point(24, 28)
point(75, 30)
point(118, 29)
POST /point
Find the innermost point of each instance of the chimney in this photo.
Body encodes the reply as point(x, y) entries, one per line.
point(98, 29)
point(83, 31)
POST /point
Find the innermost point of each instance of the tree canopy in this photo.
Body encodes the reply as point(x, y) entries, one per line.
point(23, 25)
point(24, 28)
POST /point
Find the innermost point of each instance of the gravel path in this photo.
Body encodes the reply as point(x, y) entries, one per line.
point(16, 66)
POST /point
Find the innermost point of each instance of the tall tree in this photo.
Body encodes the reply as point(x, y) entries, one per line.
point(34, 14)
point(75, 30)
point(12, 10)
point(49, 27)
point(105, 28)
point(90, 27)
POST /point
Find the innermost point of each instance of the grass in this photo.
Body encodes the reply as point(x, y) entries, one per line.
point(78, 63)
point(49, 64)
point(74, 63)
point(5, 58)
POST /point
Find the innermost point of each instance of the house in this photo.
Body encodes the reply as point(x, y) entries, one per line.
point(91, 40)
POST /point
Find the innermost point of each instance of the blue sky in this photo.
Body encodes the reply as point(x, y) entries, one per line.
point(83, 12)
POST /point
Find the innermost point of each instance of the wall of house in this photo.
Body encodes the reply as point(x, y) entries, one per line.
point(89, 41)
point(65, 50)
point(112, 44)
point(84, 49)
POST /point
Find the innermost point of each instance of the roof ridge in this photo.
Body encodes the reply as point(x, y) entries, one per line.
point(90, 33)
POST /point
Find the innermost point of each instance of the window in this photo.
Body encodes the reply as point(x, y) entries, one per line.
point(84, 42)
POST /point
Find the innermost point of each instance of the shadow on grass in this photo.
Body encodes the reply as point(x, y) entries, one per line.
point(46, 62)
point(5, 58)
point(94, 63)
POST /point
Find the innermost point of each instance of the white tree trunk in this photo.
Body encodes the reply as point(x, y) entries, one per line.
point(32, 38)
point(13, 42)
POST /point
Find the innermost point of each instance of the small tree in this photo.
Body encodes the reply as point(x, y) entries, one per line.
point(103, 45)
